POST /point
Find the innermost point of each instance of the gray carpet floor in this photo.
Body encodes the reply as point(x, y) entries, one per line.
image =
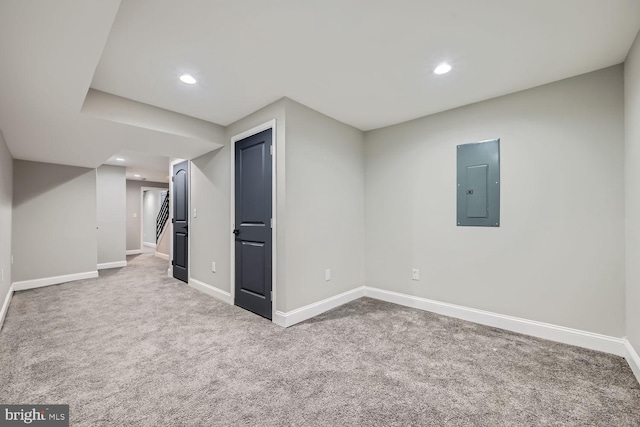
point(136, 348)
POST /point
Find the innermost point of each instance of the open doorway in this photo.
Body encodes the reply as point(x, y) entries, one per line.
point(154, 219)
point(143, 171)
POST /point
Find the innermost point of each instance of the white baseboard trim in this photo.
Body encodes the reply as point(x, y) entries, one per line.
point(163, 256)
point(223, 296)
point(149, 245)
point(633, 359)
point(46, 281)
point(115, 264)
point(547, 331)
point(308, 311)
point(5, 306)
point(134, 252)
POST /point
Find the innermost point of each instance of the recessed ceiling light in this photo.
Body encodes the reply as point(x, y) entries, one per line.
point(137, 176)
point(442, 68)
point(120, 159)
point(188, 79)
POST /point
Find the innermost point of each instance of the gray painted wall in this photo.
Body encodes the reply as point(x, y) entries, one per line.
point(319, 223)
point(632, 181)
point(210, 195)
point(325, 206)
point(209, 237)
point(134, 204)
point(54, 220)
point(558, 256)
point(111, 211)
point(6, 203)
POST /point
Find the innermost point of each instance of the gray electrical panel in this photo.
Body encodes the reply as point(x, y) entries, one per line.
point(479, 184)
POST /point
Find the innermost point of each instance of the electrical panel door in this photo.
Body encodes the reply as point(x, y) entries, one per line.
point(479, 184)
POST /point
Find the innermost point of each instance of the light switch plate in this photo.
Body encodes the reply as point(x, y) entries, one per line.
point(415, 274)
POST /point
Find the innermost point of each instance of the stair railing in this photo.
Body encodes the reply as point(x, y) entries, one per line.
point(162, 218)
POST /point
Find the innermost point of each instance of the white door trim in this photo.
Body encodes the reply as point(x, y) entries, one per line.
point(271, 124)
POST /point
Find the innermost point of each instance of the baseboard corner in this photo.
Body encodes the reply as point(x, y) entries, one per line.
point(633, 359)
point(280, 319)
point(223, 296)
point(134, 252)
point(115, 264)
point(54, 280)
point(162, 256)
point(5, 306)
point(306, 312)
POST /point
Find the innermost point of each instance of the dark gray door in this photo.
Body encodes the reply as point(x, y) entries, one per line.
point(253, 223)
point(180, 220)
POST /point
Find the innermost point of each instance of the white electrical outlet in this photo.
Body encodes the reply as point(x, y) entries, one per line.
point(195, 213)
point(415, 274)
point(213, 266)
point(327, 274)
point(135, 215)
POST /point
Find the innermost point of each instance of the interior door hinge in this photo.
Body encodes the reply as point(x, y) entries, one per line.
point(173, 178)
point(271, 295)
point(271, 150)
point(271, 222)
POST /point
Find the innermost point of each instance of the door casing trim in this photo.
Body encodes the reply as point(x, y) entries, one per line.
point(271, 124)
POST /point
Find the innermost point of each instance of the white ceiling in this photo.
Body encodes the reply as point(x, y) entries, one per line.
point(149, 167)
point(48, 54)
point(365, 62)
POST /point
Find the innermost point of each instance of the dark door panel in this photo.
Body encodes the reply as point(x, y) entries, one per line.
point(181, 220)
point(253, 264)
point(253, 250)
